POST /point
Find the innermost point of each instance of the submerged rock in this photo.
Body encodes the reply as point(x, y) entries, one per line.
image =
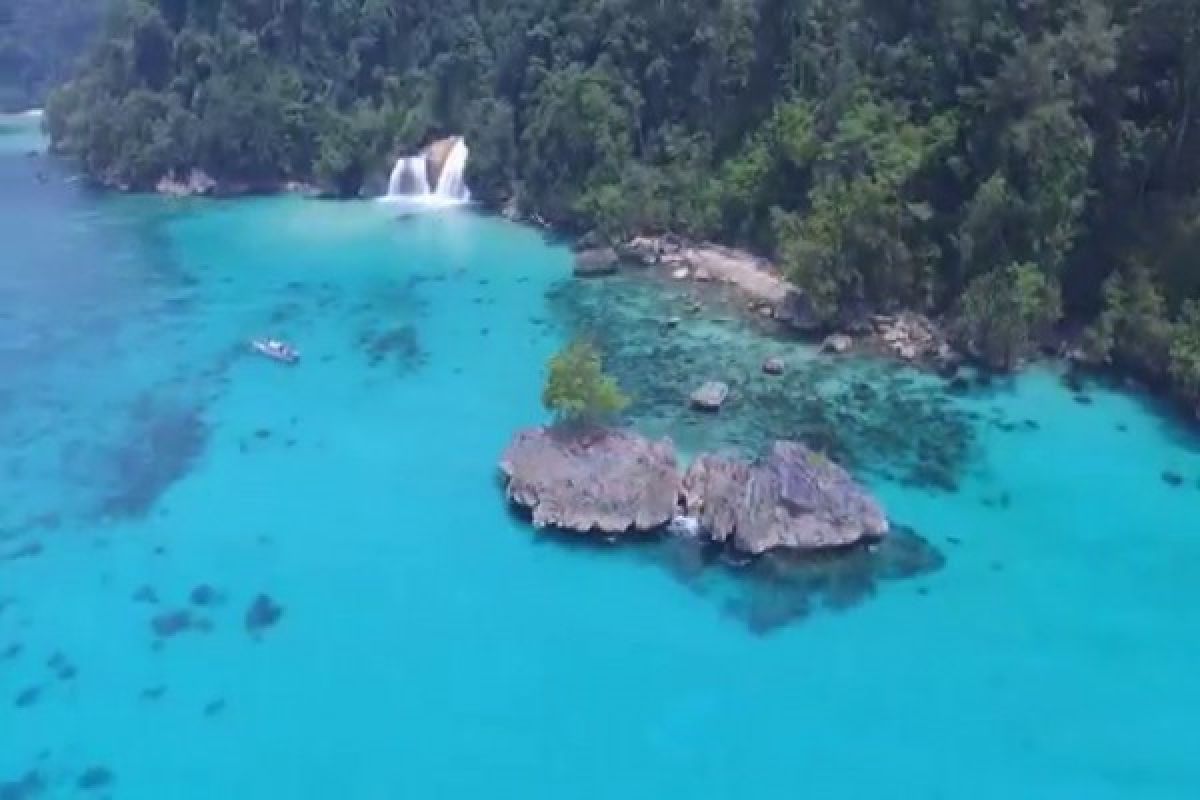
point(592, 480)
point(27, 787)
point(171, 623)
point(263, 613)
point(795, 498)
point(96, 778)
point(774, 366)
point(27, 697)
point(710, 397)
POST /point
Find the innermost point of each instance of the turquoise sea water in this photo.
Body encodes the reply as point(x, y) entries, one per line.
point(156, 481)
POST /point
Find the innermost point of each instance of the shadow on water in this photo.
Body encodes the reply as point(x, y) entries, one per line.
point(768, 592)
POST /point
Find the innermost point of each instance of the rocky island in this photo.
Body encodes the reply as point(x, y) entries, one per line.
point(609, 482)
point(592, 480)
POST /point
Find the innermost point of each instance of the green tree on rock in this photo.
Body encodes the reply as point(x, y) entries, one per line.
point(577, 389)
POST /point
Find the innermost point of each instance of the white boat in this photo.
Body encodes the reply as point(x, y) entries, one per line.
point(276, 350)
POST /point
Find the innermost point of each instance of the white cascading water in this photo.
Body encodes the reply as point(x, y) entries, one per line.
point(409, 184)
point(410, 178)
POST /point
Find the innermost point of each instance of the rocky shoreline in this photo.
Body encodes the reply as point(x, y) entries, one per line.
point(907, 336)
point(609, 482)
point(766, 295)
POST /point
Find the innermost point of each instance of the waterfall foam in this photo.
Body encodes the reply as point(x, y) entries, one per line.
point(424, 181)
point(410, 177)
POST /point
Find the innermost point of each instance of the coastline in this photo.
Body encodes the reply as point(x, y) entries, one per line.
point(765, 295)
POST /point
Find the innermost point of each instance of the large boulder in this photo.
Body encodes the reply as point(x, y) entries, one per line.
point(837, 343)
point(595, 262)
point(710, 397)
point(592, 481)
point(795, 499)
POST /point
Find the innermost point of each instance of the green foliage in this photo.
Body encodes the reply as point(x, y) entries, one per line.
point(866, 233)
point(1185, 352)
point(39, 42)
point(1006, 310)
point(890, 153)
point(577, 389)
point(1134, 329)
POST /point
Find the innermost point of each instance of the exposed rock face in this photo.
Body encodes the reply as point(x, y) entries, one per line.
point(910, 336)
point(705, 262)
point(197, 184)
point(593, 481)
point(710, 397)
point(595, 262)
point(798, 312)
point(436, 153)
point(795, 498)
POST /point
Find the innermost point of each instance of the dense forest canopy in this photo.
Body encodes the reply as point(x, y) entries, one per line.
point(40, 41)
point(999, 159)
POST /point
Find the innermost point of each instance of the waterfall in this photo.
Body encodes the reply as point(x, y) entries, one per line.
point(410, 178)
point(450, 183)
point(422, 180)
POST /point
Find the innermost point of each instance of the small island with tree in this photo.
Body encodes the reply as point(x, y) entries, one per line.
point(592, 478)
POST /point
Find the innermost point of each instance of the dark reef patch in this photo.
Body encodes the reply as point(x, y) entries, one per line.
point(27, 697)
point(161, 445)
point(146, 595)
point(94, 778)
point(262, 614)
point(1172, 479)
point(173, 623)
point(153, 694)
point(399, 347)
point(27, 787)
point(62, 667)
point(214, 707)
point(205, 595)
point(25, 551)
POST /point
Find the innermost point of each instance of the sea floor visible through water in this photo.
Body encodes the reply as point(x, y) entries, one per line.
point(221, 577)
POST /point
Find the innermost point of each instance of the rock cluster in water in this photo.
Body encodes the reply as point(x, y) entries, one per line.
point(612, 482)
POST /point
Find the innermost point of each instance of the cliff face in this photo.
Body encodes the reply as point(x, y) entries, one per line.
point(436, 153)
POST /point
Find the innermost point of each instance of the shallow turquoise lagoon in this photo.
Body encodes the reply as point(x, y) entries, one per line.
point(156, 480)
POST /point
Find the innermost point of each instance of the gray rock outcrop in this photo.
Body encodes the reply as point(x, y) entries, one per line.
point(774, 366)
point(909, 336)
point(838, 343)
point(595, 262)
point(592, 481)
point(198, 183)
point(710, 397)
point(795, 498)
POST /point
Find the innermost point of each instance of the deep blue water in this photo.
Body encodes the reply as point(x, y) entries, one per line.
point(155, 481)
